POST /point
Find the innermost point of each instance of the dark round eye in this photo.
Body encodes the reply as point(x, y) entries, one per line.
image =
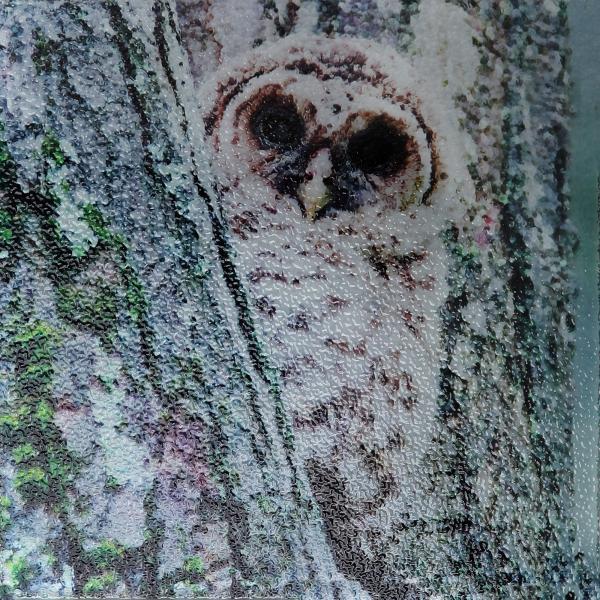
point(379, 149)
point(277, 125)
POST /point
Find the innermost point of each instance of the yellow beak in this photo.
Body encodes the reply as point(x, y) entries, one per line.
point(313, 192)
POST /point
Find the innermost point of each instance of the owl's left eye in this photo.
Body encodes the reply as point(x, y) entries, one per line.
point(379, 149)
point(277, 125)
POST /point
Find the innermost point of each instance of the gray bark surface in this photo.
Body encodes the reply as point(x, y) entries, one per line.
point(144, 447)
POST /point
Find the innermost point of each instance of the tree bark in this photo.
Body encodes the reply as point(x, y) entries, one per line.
point(144, 446)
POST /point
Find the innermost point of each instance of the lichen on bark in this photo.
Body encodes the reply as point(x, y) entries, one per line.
point(144, 447)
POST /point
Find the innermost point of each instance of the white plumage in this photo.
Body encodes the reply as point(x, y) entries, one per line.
point(337, 179)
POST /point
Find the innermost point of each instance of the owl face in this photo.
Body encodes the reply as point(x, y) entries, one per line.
point(332, 134)
point(332, 173)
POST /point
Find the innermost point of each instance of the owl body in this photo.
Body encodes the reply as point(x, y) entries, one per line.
point(333, 176)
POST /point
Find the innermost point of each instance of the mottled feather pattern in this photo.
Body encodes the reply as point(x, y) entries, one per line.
point(347, 279)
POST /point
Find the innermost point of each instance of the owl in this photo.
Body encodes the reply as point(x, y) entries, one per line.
point(337, 175)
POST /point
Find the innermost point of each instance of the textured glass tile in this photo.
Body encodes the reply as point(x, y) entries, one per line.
point(299, 299)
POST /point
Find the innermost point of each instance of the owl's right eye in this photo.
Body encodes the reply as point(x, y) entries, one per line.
point(379, 149)
point(277, 125)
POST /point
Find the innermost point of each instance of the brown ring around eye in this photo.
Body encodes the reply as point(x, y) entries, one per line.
point(381, 148)
point(276, 123)
point(397, 151)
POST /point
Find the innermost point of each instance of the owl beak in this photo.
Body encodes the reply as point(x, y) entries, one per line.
point(313, 192)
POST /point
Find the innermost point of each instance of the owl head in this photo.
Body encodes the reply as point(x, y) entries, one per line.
point(338, 127)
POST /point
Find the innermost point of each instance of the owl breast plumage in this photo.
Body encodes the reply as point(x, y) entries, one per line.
point(332, 173)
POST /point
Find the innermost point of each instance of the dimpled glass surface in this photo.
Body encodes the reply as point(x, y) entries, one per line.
point(298, 299)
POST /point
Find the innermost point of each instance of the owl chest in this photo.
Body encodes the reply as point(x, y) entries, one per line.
point(348, 311)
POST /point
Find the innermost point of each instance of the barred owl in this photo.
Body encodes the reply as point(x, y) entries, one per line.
point(337, 176)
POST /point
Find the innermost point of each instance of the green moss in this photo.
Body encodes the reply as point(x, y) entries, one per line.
point(39, 330)
point(194, 590)
point(4, 154)
point(194, 566)
point(24, 453)
point(95, 220)
point(8, 423)
point(136, 301)
point(19, 572)
point(6, 222)
point(44, 413)
point(45, 466)
point(43, 51)
point(99, 584)
point(93, 307)
point(112, 483)
point(266, 504)
point(107, 381)
point(79, 251)
point(32, 483)
point(106, 554)
point(59, 470)
point(137, 305)
point(5, 519)
point(5, 592)
point(51, 149)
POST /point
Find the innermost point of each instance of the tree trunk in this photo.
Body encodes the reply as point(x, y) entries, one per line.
point(145, 447)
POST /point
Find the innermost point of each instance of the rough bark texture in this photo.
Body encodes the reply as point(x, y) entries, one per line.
point(144, 447)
